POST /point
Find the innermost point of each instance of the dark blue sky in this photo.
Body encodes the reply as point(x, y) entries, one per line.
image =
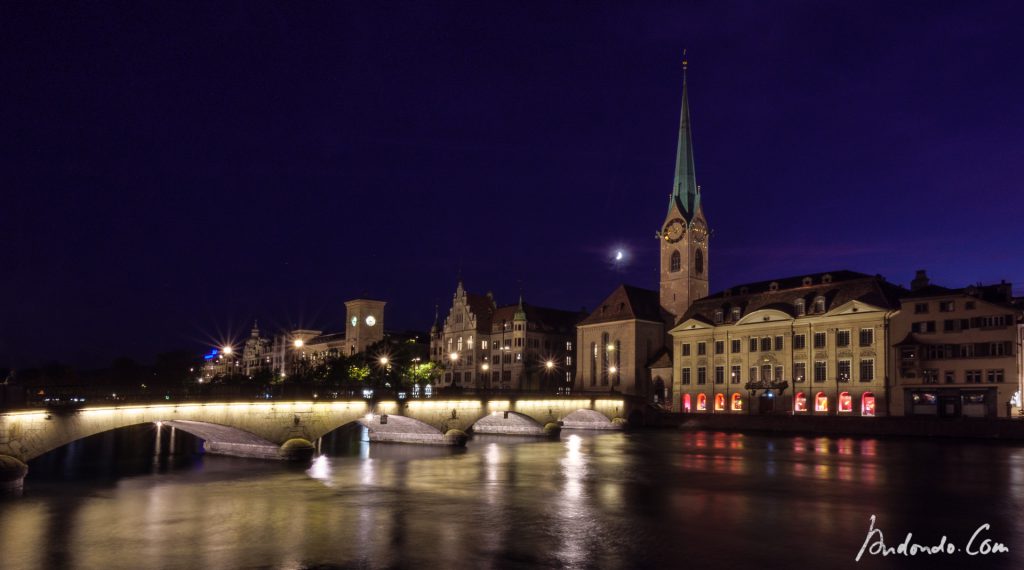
point(171, 171)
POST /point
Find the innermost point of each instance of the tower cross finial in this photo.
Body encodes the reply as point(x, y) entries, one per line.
point(684, 62)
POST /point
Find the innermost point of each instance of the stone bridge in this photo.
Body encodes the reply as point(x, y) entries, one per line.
point(271, 430)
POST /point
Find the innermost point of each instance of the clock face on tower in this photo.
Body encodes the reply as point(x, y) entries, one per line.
point(355, 321)
point(700, 231)
point(674, 230)
point(370, 321)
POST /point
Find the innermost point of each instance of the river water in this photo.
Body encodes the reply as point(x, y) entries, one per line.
point(647, 499)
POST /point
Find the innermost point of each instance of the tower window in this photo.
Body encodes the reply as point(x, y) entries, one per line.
point(698, 262)
point(674, 265)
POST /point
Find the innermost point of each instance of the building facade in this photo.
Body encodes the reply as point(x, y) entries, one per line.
point(810, 345)
point(958, 351)
point(519, 347)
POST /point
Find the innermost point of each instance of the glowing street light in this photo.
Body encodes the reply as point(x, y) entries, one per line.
point(611, 346)
point(453, 356)
point(383, 361)
point(549, 364)
point(226, 350)
point(298, 343)
point(485, 367)
point(613, 370)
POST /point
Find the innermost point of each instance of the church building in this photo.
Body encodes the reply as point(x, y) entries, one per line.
point(623, 344)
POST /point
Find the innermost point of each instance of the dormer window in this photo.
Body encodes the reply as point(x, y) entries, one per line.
point(827, 278)
point(718, 317)
point(735, 313)
point(800, 307)
point(807, 281)
point(773, 286)
point(743, 290)
point(819, 304)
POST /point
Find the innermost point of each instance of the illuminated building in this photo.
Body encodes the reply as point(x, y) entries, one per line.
point(514, 347)
point(958, 351)
point(814, 344)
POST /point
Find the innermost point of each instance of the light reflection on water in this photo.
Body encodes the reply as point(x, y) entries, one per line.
point(619, 500)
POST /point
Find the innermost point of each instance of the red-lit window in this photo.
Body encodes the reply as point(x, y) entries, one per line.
point(702, 403)
point(737, 403)
point(845, 402)
point(820, 402)
point(719, 402)
point(867, 404)
point(686, 402)
point(800, 402)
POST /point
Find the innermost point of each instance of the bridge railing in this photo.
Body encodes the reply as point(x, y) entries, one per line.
point(73, 397)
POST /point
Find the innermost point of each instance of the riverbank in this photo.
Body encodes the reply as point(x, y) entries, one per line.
point(1001, 429)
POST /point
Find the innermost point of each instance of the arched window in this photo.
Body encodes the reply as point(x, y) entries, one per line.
point(698, 261)
point(604, 358)
point(686, 402)
point(719, 402)
point(800, 402)
point(593, 364)
point(674, 265)
point(702, 403)
point(820, 402)
point(737, 402)
point(867, 404)
point(845, 402)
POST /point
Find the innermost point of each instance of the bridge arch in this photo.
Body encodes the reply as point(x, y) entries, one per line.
point(28, 435)
point(587, 419)
point(400, 429)
point(507, 422)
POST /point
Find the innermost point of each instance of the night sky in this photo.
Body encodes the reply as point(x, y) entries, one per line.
point(170, 172)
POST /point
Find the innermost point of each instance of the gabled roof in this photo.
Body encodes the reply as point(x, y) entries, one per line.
point(544, 319)
point(627, 303)
point(996, 293)
point(482, 306)
point(836, 287)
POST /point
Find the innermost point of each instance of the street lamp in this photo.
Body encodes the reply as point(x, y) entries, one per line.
point(298, 343)
point(226, 350)
point(383, 361)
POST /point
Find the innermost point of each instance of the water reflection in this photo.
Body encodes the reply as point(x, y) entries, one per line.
point(619, 500)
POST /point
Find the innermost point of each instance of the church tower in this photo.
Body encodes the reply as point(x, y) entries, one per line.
point(684, 234)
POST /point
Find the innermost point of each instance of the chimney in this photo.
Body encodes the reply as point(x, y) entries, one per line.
point(920, 281)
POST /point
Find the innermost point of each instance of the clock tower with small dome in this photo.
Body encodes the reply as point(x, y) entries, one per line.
point(684, 235)
point(364, 324)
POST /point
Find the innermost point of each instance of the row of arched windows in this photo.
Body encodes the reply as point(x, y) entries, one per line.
point(821, 403)
point(675, 263)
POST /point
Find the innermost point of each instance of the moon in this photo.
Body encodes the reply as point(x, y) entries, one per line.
point(618, 255)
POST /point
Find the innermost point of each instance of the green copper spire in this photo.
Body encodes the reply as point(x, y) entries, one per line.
point(520, 311)
point(685, 194)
